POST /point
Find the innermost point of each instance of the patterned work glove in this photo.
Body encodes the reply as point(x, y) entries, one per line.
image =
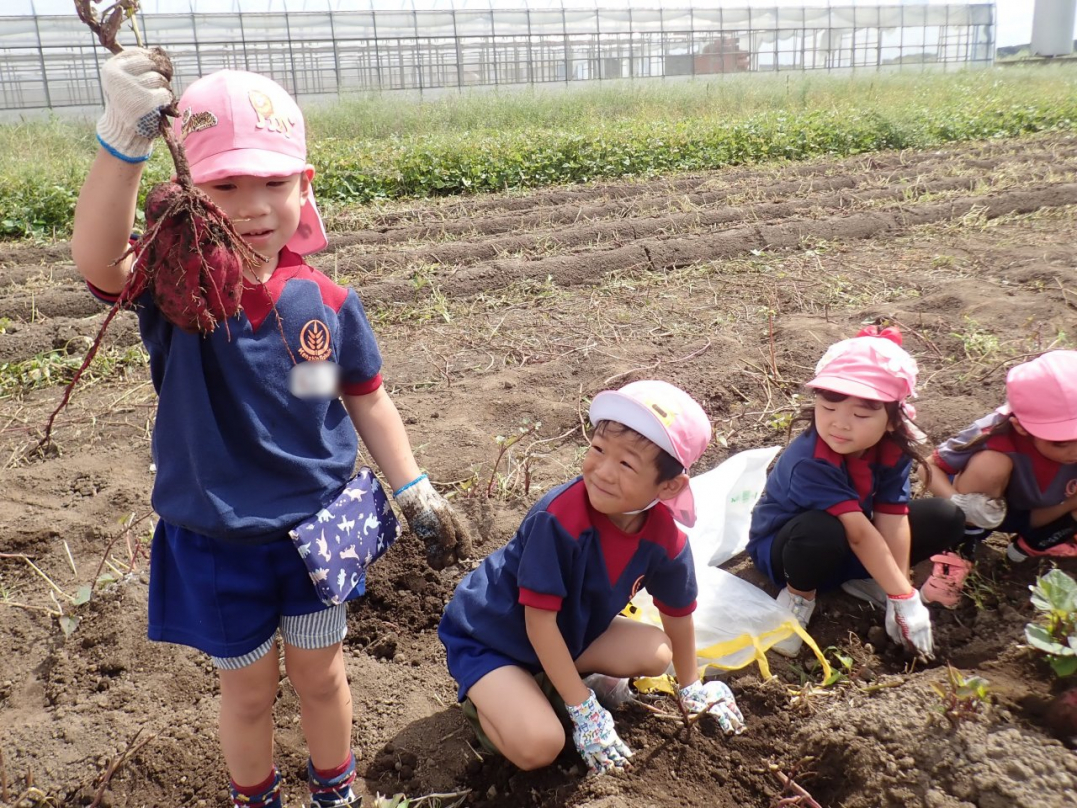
point(135, 83)
point(717, 699)
point(431, 518)
point(595, 738)
point(908, 622)
point(981, 510)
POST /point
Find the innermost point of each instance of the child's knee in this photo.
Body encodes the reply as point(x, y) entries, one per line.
point(534, 745)
point(661, 659)
point(985, 470)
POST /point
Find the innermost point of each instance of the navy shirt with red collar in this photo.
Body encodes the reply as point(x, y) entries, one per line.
point(566, 558)
point(238, 456)
point(810, 476)
point(1035, 482)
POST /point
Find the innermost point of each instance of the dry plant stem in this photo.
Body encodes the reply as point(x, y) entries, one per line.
point(116, 764)
point(4, 795)
point(802, 796)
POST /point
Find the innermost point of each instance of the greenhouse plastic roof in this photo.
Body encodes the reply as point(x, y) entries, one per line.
point(18, 8)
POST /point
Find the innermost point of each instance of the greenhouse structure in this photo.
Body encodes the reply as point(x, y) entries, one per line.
point(49, 59)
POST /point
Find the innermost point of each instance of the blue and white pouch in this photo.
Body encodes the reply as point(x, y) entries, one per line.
point(345, 537)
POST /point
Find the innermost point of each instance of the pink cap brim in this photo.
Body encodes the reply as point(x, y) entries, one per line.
point(683, 507)
point(1056, 430)
point(847, 387)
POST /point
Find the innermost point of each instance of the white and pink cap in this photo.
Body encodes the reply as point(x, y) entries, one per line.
point(235, 123)
point(1042, 395)
point(668, 417)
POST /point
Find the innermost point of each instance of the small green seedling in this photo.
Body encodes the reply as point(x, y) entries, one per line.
point(1054, 596)
point(960, 698)
point(450, 800)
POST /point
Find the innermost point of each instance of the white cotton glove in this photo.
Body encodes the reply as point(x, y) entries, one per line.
point(716, 699)
point(981, 510)
point(595, 737)
point(433, 520)
point(908, 622)
point(135, 83)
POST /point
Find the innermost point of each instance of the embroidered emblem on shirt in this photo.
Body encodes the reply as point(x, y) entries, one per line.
point(268, 118)
point(636, 587)
point(314, 343)
point(197, 121)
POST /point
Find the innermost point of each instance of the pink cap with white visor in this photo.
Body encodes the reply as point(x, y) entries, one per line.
point(874, 367)
point(668, 417)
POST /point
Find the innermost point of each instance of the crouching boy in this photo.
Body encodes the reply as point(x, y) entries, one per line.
point(538, 615)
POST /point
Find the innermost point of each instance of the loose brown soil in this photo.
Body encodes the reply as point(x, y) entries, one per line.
point(498, 312)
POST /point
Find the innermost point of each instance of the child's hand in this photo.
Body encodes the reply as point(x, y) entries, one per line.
point(595, 737)
point(433, 520)
point(717, 699)
point(135, 83)
point(981, 510)
point(908, 622)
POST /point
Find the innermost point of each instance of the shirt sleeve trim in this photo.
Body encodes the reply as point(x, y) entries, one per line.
point(897, 508)
point(848, 506)
point(670, 611)
point(362, 388)
point(538, 600)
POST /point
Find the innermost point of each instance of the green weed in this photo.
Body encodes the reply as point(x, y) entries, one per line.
point(1054, 596)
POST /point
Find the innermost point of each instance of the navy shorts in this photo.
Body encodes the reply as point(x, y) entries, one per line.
point(223, 598)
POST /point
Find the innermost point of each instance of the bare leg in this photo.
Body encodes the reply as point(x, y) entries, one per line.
point(246, 722)
point(987, 473)
point(325, 701)
point(627, 648)
point(517, 717)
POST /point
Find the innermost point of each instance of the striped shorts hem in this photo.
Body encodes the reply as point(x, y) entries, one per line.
point(307, 631)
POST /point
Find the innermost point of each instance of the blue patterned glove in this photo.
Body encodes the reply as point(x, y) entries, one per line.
point(595, 738)
point(716, 699)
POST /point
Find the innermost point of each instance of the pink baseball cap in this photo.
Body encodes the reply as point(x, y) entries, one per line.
point(237, 123)
point(668, 417)
point(873, 367)
point(1042, 395)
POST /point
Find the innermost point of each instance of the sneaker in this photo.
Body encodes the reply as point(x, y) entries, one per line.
point(865, 589)
point(802, 609)
point(946, 581)
point(1020, 550)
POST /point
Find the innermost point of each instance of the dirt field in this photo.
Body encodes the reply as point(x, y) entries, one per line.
point(496, 317)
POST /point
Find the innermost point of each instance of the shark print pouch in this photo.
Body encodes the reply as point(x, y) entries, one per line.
point(345, 537)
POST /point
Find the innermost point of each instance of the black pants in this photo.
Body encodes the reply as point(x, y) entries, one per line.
point(811, 549)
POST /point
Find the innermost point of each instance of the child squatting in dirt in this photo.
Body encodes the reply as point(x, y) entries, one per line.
point(836, 507)
point(240, 458)
point(1013, 470)
point(543, 611)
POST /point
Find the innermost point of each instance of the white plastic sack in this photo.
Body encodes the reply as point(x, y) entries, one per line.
point(724, 499)
point(736, 622)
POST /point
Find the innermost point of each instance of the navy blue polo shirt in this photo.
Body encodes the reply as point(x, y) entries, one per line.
point(810, 476)
point(238, 456)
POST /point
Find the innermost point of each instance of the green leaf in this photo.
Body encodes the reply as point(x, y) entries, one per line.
point(1055, 591)
point(1039, 637)
point(68, 625)
point(1063, 666)
point(83, 595)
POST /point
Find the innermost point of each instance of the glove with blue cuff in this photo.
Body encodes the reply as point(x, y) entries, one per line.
point(135, 83)
point(595, 737)
point(714, 698)
point(433, 520)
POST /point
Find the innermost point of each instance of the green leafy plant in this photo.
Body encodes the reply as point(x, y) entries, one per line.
point(1054, 596)
point(960, 697)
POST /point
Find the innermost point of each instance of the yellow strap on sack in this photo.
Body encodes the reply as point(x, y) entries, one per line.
point(720, 650)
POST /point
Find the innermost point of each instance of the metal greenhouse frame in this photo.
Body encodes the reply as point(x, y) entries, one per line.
point(48, 59)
